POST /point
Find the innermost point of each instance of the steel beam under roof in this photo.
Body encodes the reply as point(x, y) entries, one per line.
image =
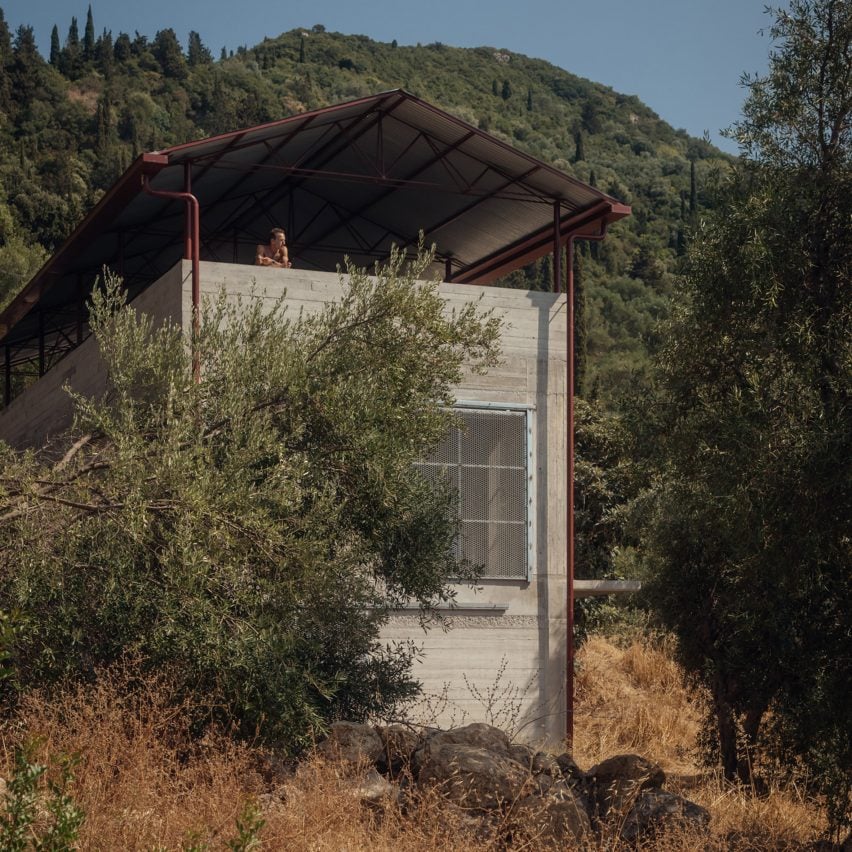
point(349, 179)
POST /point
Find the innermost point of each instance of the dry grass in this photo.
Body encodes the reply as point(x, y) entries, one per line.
point(634, 700)
point(145, 783)
point(637, 699)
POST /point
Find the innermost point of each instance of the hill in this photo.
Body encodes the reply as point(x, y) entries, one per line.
point(70, 125)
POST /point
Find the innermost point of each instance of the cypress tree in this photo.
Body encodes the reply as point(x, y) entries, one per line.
point(5, 40)
point(122, 50)
point(529, 100)
point(73, 40)
point(168, 53)
point(693, 194)
point(507, 90)
point(69, 60)
point(89, 37)
point(197, 53)
point(302, 49)
point(55, 49)
point(580, 147)
point(224, 54)
point(495, 88)
point(104, 53)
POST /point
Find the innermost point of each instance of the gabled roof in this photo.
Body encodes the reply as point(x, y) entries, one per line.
point(348, 180)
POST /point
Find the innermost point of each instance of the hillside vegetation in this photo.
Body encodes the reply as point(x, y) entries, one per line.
point(69, 125)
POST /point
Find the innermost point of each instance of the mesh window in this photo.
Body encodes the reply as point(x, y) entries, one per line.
point(486, 462)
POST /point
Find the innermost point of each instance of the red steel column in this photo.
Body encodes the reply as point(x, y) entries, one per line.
point(557, 250)
point(569, 440)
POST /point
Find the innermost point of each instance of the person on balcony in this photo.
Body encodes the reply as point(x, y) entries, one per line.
point(274, 254)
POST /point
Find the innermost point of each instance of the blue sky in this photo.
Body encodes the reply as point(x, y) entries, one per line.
point(683, 58)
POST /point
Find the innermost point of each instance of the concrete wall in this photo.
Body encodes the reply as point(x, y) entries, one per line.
point(503, 658)
point(508, 628)
point(45, 410)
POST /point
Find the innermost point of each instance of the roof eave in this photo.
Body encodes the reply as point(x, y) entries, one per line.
point(588, 224)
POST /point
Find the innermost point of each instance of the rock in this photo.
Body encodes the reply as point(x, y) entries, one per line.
point(569, 768)
point(567, 787)
point(398, 745)
point(614, 784)
point(522, 754)
point(374, 789)
point(353, 743)
point(656, 809)
point(551, 819)
point(481, 825)
point(470, 775)
point(544, 763)
point(477, 734)
point(543, 783)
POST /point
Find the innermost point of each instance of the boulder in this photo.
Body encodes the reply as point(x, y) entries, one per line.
point(522, 754)
point(477, 734)
point(544, 763)
point(470, 775)
point(398, 745)
point(374, 789)
point(614, 784)
point(656, 809)
point(551, 819)
point(352, 742)
point(569, 768)
point(484, 826)
point(566, 787)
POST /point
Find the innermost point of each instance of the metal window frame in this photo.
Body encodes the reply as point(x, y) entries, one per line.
point(529, 412)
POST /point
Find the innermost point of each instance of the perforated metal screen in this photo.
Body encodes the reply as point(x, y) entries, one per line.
point(486, 462)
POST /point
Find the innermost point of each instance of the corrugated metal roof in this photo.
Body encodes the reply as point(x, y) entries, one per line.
point(346, 180)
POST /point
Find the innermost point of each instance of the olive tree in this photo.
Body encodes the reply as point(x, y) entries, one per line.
point(250, 532)
point(747, 526)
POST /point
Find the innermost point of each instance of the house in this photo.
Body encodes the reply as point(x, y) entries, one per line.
point(354, 179)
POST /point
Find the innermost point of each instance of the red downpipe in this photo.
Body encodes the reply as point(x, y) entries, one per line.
point(192, 242)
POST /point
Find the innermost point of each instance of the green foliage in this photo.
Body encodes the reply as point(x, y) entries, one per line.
point(747, 526)
point(58, 154)
point(251, 532)
point(249, 824)
point(23, 825)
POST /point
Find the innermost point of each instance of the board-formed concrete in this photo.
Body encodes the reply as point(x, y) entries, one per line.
point(500, 655)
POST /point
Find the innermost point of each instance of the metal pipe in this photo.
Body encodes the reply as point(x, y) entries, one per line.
point(187, 229)
point(193, 223)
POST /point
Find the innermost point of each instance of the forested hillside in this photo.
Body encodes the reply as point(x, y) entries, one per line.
point(72, 122)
